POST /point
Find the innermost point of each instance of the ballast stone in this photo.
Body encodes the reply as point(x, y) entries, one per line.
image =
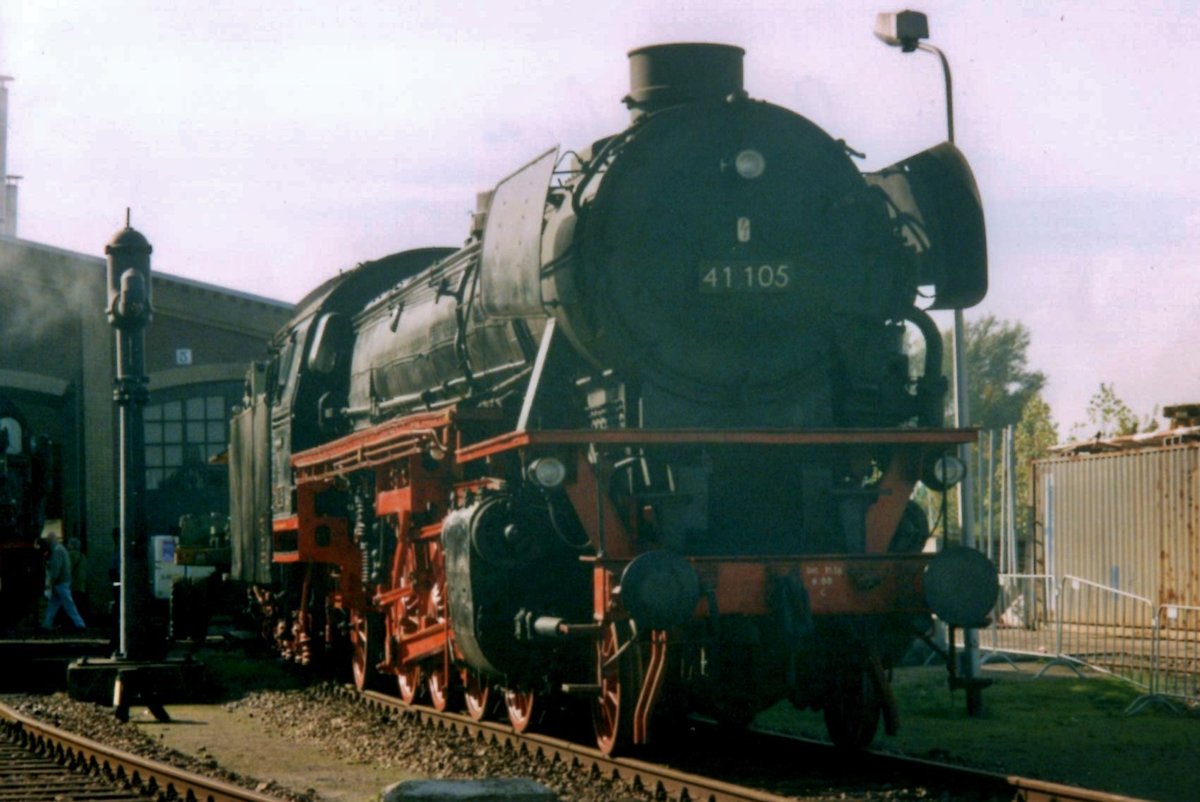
point(489, 790)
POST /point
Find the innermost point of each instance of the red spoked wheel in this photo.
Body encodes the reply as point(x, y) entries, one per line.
point(404, 619)
point(365, 648)
point(520, 706)
point(444, 693)
point(475, 694)
point(408, 680)
point(618, 667)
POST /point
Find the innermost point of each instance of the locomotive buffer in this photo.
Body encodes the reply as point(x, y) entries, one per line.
point(138, 672)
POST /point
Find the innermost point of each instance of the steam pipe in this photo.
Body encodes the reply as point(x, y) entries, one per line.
point(931, 387)
point(934, 351)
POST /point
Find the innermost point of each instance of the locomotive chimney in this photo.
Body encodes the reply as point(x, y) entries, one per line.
point(668, 75)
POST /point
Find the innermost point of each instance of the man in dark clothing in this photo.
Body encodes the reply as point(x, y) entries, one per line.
point(79, 574)
point(58, 584)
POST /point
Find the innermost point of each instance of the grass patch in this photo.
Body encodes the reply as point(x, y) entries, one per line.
point(1058, 728)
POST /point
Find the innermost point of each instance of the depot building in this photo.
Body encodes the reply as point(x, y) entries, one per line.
point(57, 368)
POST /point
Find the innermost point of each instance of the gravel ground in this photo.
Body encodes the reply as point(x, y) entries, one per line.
point(315, 719)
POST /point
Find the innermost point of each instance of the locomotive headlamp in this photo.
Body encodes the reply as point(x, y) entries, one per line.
point(547, 472)
point(750, 164)
point(945, 472)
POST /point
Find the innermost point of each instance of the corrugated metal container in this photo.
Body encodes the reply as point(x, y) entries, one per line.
point(1128, 520)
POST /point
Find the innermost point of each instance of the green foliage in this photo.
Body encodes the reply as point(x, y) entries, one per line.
point(999, 381)
point(1033, 438)
point(1109, 416)
point(1003, 391)
point(1036, 432)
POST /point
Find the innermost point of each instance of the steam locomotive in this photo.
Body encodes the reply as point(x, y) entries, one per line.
point(25, 471)
point(647, 440)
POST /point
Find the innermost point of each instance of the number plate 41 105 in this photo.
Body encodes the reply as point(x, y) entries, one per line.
point(722, 277)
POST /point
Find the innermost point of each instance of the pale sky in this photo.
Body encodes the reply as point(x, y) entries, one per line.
point(263, 146)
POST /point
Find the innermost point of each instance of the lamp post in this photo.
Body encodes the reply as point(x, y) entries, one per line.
point(906, 30)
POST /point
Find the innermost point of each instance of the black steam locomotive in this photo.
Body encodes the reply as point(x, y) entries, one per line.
point(647, 439)
point(25, 476)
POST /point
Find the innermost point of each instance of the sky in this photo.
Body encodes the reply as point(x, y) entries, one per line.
point(263, 146)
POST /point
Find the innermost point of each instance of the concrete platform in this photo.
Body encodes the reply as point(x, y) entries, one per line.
point(148, 682)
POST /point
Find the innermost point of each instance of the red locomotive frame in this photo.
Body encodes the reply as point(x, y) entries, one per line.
point(418, 465)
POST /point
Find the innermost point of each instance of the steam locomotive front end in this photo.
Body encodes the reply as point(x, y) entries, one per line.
point(728, 254)
point(725, 267)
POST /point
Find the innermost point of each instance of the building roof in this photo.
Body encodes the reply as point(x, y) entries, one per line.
point(156, 275)
point(1131, 442)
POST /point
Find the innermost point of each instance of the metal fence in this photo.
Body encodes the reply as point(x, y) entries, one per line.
point(1107, 630)
point(995, 505)
point(1023, 621)
point(1130, 519)
point(1077, 623)
point(1176, 654)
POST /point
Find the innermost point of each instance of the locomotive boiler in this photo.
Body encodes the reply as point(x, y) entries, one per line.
point(25, 475)
point(647, 439)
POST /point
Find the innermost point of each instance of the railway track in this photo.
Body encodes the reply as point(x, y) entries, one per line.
point(769, 760)
point(40, 762)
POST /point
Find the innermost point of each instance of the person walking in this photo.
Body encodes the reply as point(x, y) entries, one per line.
point(58, 584)
point(79, 575)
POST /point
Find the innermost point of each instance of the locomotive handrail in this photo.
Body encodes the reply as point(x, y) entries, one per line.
point(767, 437)
point(363, 449)
point(315, 466)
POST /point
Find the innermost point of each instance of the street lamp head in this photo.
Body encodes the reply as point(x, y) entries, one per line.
point(903, 29)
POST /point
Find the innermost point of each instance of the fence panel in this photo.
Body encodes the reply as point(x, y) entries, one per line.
point(1107, 630)
point(1177, 652)
point(1023, 620)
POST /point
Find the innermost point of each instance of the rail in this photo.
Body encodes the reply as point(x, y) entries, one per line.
point(674, 784)
point(150, 776)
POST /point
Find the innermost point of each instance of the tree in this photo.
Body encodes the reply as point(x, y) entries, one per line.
point(1109, 416)
point(1036, 433)
point(1033, 438)
point(1003, 391)
point(999, 381)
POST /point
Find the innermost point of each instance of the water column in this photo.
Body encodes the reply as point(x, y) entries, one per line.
point(129, 312)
